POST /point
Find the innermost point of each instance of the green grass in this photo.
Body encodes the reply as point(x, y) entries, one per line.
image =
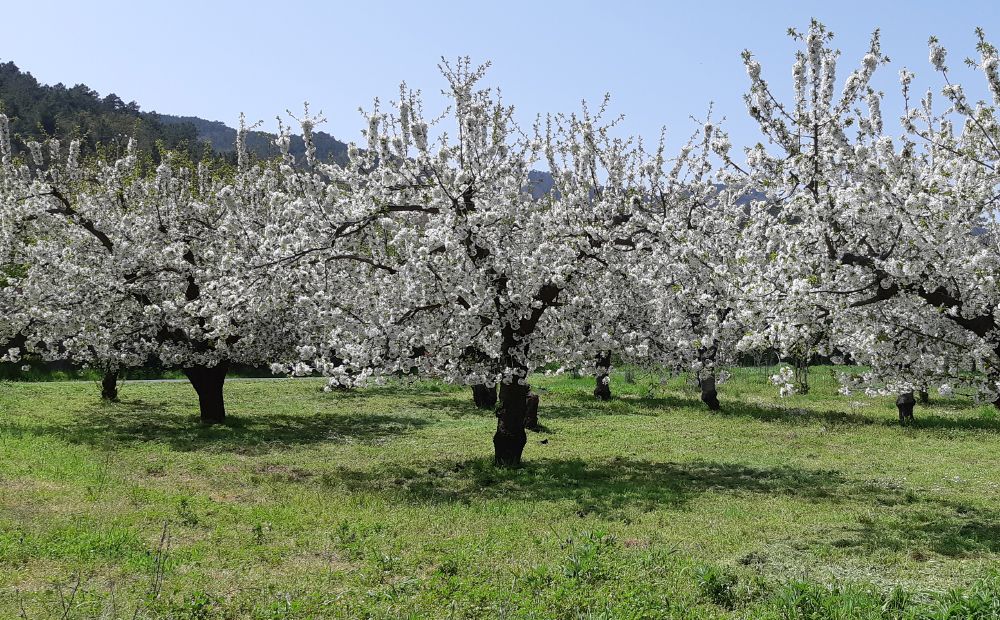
point(383, 503)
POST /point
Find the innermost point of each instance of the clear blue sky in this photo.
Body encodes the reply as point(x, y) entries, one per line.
point(662, 61)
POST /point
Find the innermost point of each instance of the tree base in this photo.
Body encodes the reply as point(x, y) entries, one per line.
point(510, 437)
point(904, 403)
point(208, 382)
point(109, 386)
point(603, 390)
point(711, 399)
point(709, 395)
point(508, 448)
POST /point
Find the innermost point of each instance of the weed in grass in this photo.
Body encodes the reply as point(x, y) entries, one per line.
point(582, 557)
point(186, 512)
point(716, 585)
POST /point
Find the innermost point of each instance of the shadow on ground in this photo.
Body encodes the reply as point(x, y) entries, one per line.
point(934, 415)
point(136, 420)
point(116, 425)
point(945, 527)
point(595, 487)
point(891, 517)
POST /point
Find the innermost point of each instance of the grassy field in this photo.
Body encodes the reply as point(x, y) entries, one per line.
point(383, 503)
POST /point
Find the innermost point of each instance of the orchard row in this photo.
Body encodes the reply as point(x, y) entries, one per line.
point(433, 252)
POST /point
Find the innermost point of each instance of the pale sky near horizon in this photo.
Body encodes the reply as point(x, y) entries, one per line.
point(661, 61)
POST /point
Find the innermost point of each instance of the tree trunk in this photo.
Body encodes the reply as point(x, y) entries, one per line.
point(509, 440)
point(923, 396)
point(904, 403)
point(802, 375)
point(208, 382)
point(109, 385)
point(485, 397)
point(709, 395)
point(531, 411)
point(602, 389)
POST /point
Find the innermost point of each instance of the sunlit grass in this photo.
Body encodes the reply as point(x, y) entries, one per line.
point(383, 503)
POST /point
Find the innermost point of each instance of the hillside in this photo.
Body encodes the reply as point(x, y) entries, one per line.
point(40, 111)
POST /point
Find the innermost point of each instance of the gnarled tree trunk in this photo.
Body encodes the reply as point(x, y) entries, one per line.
point(602, 388)
point(509, 440)
point(904, 403)
point(709, 395)
point(484, 396)
point(208, 382)
point(510, 437)
point(923, 396)
point(109, 385)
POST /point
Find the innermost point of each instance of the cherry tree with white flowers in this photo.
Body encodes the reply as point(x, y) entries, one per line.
point(701, 228)
point(823, 190)
point(479, 280)
point(864, 223)
point(132, 263)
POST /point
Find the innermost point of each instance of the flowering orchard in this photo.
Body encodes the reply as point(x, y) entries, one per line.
point(428, 254)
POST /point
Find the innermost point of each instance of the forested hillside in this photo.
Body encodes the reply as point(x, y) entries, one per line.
point(39, 111)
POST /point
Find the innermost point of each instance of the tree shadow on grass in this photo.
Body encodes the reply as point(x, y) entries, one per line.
point(453, 405)
point(656, 405)
point(959, 422)
point(575, 405)
point(967, 422)
point(796, 415)
point(893, 518)
point(927, 416)
point(603, 488)
point(117, 425)
point(569, 405)
point(945, 527)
